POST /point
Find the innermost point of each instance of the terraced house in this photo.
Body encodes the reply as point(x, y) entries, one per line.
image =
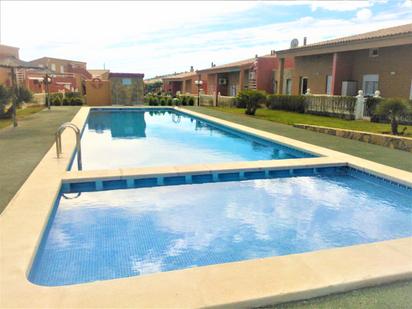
point(184, 82)
point(255, 73)
point(69, 75)
point(377, 60)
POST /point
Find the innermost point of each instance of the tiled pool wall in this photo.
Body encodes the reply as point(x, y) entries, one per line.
point(222, 176)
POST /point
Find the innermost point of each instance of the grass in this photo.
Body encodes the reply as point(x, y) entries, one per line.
point(291, 118)
point(395, 295)
point(21, 114)
point(23, 147)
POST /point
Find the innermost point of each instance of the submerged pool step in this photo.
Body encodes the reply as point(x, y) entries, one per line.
point(102, 185)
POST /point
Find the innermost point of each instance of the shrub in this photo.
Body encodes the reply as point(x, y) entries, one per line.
point(76, 101)
point(162, 101)
point(5, 97)
point(191, 101)
point(251, 99)
point(183, 100)
point(176, 101)
point(393, 109)
point(371, 104)
point(66, 101)
point(155, 101)
point(294, 103)
point(23, 95)
point(169, 101)
point(56, 99)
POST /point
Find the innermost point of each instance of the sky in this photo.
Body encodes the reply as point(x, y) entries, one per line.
point(157, 38)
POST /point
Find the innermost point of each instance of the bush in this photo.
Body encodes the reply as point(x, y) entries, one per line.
point(293, 103)
point(251, 99)
point(183, 100)
point(76, 101)
point(162, 101)
point(393, 109)
point(5, 97)
point(176, 101)
point(66, 101)
point(169, 101)
point(155, 101)
point(371, 104)
point(23, 95)
point(191, 101)
point(56, 99)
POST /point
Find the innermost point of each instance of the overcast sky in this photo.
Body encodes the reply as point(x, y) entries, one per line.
point(165, 37)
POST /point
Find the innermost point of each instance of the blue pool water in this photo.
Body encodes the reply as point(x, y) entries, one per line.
point(135, 138)
point(110, 234)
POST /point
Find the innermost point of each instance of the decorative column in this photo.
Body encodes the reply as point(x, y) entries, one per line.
point(281, 75)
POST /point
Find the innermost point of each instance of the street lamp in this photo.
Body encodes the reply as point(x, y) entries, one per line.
point(47, 80)
point(198, 83)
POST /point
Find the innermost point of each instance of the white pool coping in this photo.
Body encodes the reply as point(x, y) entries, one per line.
point(240, 284)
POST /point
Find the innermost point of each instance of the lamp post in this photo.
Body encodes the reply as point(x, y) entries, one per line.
point(198, 83)
point(47, 80)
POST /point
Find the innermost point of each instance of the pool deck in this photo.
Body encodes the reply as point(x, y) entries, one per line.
point(240, 284)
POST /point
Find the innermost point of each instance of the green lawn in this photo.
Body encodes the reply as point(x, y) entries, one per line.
point(292, 118)
point(21, 114)
point(24, 146)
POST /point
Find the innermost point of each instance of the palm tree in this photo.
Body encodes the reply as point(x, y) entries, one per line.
point(393, 109)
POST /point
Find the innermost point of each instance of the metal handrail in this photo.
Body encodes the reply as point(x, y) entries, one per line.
point(78, 143)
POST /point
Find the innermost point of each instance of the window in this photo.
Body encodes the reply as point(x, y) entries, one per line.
point(126, 81)
point(328, 84)
point(288, 86)
point(370, 84)
point(303, 85)
point(53, 67)
point(252, 75)
point(233, 90)
point(62, 69)
point(373, 52)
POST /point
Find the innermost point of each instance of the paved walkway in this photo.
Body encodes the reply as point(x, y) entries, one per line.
point(22, 148)
point(392, 157)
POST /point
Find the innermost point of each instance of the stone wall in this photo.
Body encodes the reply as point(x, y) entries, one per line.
point(391, 141)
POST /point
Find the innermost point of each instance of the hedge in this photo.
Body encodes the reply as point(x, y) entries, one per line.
point(294, 103)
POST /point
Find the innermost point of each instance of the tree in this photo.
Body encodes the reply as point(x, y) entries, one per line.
point(23, 95)
point(251, 99)
point(393, 109)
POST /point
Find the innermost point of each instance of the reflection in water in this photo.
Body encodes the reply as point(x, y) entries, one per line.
point(121, 125)
point(121, 233)
point(114, 139)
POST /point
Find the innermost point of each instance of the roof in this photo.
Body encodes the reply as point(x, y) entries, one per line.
point(231, 65)
point(13, 62)
point(98, 72)
point(180, 75)
point(59, 59)
point(348, 40)
point(126, 75)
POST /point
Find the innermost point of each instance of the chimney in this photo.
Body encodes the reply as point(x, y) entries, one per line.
point(191, 68)
point(212, 65)
point(304, 41)
point(256, 56)
point(273, 52)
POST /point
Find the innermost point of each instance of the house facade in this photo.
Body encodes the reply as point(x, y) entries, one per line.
point(69, 75)
point(185, 83)
point(5, 73)
point(377, 60)
point(257, 73)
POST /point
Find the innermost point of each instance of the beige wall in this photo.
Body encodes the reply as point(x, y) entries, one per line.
point(315, 68)
point(98, 96)
point(397, 60)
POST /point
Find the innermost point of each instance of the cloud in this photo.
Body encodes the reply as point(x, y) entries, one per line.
point(363, 14)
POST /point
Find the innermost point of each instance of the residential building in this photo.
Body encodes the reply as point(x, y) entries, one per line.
point(256, 73)
point(67, 75)
point(378, 60)
point(5, 74)
point(184, 82)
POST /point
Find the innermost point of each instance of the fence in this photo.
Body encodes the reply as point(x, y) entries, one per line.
point(209, 100)
point(337, 106)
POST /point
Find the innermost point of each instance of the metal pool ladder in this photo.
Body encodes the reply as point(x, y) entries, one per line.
point(78, 144)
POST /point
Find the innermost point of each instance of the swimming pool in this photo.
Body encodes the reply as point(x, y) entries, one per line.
point(158, 137)
point(101, 235)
